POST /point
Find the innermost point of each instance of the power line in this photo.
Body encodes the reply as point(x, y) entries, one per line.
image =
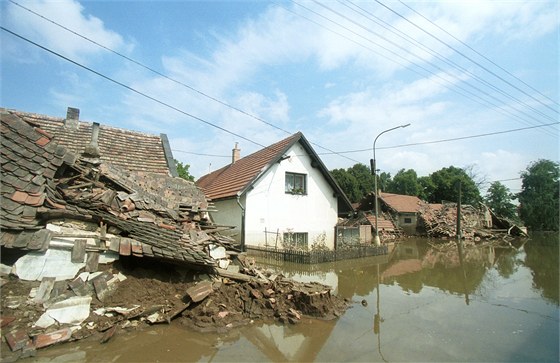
point(464, 55)
point(415, 144)
point(129, 87)
point(478, 99)
point(452, 139)
point(481, 55)
point(435, 53)
point(167, 77)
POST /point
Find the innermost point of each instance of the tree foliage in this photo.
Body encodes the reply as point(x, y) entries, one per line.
point(348, 183)
point(405, 182)
point(446, 186)
point(539, 207)
point(183, 171)
point(356, 181)
point(498, 198)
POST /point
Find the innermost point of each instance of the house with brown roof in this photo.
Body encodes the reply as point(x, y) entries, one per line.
point(281, 196)
point(44, 188)
point(403, 208)
point(131, 150)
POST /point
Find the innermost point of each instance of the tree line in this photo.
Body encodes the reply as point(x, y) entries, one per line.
point(538, 201)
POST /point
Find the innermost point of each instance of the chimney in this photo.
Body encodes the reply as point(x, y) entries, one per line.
point(235, 154)
point(72, 118)
point(92, 150)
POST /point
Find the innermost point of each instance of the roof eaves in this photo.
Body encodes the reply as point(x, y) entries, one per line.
point(295, 138)
point(326, 173)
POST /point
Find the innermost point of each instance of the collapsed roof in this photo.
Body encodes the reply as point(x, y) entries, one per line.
point(146, 214)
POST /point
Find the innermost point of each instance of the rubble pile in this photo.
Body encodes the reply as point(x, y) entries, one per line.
point(98, 305)
point(267, 297)
point(440, 221)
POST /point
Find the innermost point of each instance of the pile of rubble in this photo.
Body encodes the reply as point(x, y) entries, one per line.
point(98, 305)
point(440, 221)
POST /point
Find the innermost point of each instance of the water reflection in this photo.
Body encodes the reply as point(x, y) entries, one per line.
point(422, 302)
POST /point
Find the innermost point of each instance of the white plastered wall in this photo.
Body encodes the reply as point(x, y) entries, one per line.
point(269, 208)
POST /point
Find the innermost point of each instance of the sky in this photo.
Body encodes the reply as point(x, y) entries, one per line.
point(476, 80)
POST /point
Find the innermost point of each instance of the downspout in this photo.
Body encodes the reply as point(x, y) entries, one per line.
point(242, 222)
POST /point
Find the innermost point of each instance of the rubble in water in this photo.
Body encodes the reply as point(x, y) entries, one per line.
point(129, 298)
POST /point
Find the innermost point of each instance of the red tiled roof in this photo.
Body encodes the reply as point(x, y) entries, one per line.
point(233, 178)
point(383, 224)
point(28, 160)
point(402, 203)
point(134, 151)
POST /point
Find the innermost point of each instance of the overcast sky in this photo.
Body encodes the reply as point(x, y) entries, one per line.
point(212, 73)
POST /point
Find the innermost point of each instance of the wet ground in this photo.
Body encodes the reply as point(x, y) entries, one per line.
point(419, 304)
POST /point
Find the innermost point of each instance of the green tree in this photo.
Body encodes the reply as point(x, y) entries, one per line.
point(498, 198)
point(538, 198)
point(348, 184)
point(446, 186)
point(363, 176)
point(384, 182)
point(183, 170)
point(427, 187)
point(405, 182)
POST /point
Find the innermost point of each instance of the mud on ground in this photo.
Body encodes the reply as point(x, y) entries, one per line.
point(167, 295)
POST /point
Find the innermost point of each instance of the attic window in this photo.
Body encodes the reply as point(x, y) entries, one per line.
point(296, 184)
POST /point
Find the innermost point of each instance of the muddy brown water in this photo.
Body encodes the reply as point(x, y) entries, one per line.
point(418, 304)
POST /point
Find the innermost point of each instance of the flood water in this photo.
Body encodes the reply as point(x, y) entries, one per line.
point(417, 304)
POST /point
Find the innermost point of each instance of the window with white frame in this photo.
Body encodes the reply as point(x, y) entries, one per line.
point(296, 240)
point(296, 183)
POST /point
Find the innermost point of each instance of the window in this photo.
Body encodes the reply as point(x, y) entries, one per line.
point(296, 240)
point(407, 220)
point(296, 184)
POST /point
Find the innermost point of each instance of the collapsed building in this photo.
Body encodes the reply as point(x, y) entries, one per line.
point(409, 215)
point(67, 213)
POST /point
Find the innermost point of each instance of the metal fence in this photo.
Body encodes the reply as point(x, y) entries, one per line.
point(313, 257)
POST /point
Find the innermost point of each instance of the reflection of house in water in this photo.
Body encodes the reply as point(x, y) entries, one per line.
point(287, 343)
point(439, 266)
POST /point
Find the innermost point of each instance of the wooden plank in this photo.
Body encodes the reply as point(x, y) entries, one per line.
point(238, 276)
point(200, 291)
point(44, 290)
point(125, 248)
point(92, 261)
point(78, 251)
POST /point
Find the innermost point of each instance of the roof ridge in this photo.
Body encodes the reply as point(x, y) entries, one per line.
point(84, 122)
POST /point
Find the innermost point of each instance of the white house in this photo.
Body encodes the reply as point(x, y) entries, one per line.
point(282, 195)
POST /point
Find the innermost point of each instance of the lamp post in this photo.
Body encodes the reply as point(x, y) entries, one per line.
point(374, 172)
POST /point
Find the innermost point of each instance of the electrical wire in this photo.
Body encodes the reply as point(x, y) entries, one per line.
point(129, 87)
point(437, 55)
point(167, 77)
point(464, 55)
point(479, 99)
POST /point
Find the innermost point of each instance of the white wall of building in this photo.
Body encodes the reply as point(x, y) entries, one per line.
point(269, 208)
point(229, 214)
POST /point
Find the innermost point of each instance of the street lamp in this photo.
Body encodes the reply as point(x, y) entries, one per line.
point(374, 172)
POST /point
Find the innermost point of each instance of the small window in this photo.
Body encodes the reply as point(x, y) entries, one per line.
point(296, 184)
point(297, 240)
point(408, 220)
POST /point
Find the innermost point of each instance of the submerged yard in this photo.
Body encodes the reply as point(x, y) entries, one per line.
point(419, 304)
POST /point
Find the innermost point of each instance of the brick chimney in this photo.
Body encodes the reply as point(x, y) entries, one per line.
point(72, 118)
point(235, 154)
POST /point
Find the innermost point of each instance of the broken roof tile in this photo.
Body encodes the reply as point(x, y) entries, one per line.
point(19, 196)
